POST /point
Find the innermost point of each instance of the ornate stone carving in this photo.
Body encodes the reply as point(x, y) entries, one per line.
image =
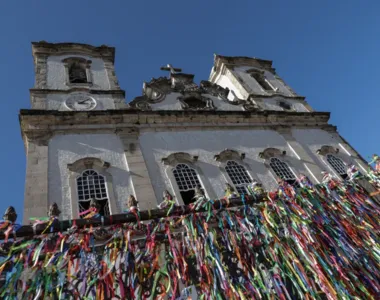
point(88, 163)
point(195, 101)
point(141, 102)
point(228, 154)
point(324, 150)
point(54, 211)
point(154, 91)
point(174, 158)
point(271, 152)
point(214, 90)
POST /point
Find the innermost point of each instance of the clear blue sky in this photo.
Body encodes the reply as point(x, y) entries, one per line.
point(327, 51)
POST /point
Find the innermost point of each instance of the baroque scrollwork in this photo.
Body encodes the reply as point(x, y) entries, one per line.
point(195, 101)
point(271, 152)
point(326, 149)
point(193, 96)
point(154, 91)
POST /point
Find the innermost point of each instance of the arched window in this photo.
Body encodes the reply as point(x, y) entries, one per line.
point(282, 170)
point(338, 165)
point(238, 175)
point(187, 180)
point(77, 73)
point(92, 185)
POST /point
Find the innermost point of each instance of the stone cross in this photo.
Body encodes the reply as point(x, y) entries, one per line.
point(171, 69)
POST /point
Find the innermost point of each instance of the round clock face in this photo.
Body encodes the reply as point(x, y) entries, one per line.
point(80, 102)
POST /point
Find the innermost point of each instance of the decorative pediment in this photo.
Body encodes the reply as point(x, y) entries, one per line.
point(179, 157)
point(88, 163)
point(228, 154)
point(70, 60)
point(271, 152)
point(327, 150)
point(193, 97)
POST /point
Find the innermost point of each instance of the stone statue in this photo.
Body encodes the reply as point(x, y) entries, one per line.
point(229, 192)
point(10, 214)
point(54, 211)
point(132, 203)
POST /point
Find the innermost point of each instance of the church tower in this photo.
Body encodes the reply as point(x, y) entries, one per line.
point(244, 124)
point(72, 156)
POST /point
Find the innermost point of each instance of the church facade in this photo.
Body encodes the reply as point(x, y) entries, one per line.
point(243, 124)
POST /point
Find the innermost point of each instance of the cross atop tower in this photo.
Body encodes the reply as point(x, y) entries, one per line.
point(171, 69)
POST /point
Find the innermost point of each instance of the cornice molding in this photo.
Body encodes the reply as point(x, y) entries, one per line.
point(37, 91)
point(135, 118)
point(45, 48)
point(178, 157)
point(229, 154)
point(88, 163)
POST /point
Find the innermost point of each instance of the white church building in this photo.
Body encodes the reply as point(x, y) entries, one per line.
point(83, 141)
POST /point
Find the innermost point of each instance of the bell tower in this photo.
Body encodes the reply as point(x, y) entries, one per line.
point(75, 77)
point(74, 154)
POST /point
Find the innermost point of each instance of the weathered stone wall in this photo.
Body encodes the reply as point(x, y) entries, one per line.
point(206, 144)
point(314, 139)
point(66, 149)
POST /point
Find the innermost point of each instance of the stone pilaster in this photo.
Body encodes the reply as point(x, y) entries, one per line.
point(36, 202)
point(40, 68)
point(138, 170)
point(110, 68)
point(314, 170)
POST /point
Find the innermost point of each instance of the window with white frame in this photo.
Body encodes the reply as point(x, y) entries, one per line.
point(92, 185)
point(338, 165)
point(238, 175)
point(282, 170)
point(187, 180)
